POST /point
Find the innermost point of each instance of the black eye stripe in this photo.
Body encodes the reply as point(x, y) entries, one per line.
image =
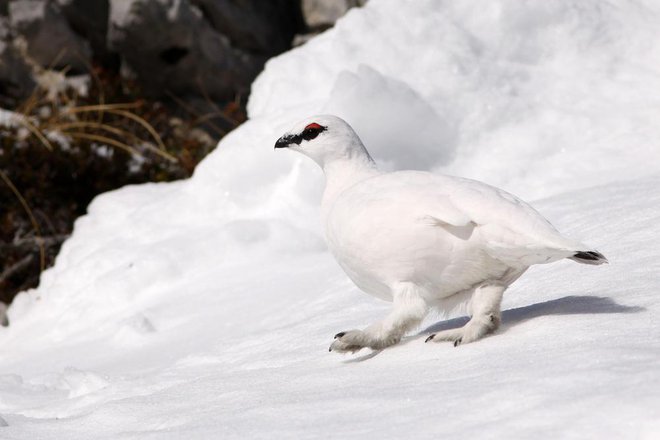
point(310, 133)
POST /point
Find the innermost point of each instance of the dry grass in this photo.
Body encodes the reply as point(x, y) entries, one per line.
point(33, 220)
point(53, 111)
point(51, 164)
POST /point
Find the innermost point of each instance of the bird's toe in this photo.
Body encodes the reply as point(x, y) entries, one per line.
point(453, 335)
point(348, 341)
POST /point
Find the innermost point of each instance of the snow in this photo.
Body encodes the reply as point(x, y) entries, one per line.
point(204, 308)
point(9, 118)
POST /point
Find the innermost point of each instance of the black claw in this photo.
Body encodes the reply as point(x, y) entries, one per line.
point(457, 342)
point(330, 349)
point(339, 335)
point(492, 318)
point(429, 338)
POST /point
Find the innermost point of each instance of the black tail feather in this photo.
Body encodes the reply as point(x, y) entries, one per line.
point(589, 257)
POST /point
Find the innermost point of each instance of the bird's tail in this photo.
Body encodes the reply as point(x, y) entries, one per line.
point(589, 257)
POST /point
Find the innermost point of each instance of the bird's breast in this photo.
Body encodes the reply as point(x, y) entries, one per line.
point(378, 249)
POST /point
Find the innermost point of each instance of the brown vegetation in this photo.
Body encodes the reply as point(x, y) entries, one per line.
point(67, 144)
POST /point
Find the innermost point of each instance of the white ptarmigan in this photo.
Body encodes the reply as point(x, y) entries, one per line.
point(422, 240)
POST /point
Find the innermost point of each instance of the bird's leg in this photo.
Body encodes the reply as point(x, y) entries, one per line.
point(485, 311)
point(409, 310)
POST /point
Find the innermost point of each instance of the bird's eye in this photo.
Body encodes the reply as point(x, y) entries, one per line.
point(312, 130)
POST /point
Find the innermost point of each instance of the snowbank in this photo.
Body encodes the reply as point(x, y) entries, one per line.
point(204, 308)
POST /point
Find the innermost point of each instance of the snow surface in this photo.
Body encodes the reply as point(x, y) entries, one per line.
point(204, 308)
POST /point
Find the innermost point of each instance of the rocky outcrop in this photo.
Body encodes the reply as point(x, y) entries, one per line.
point(319, 15)
point(254, 26)
point(204, 49)
point(322, 14)
point(198, 50)
point(89, 19)
point(15, 73)
point(49, 39)
point(197, 47)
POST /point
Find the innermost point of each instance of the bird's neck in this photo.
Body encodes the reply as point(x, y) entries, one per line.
point(341, 174)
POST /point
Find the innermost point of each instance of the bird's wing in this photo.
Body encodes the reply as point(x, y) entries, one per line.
point(509, 229)
point(445, 214)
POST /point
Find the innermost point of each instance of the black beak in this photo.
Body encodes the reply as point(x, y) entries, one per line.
point(283, 142)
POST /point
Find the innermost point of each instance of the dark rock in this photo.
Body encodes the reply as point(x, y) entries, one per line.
point(15, 73)
point(90, 20)
point(50, 40)
point(169, 47)
point(254, 26)
point(322, 14)
point(5, 30)
point(201, 48)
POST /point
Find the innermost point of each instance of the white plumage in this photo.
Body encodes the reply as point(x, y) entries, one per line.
point(422, 240)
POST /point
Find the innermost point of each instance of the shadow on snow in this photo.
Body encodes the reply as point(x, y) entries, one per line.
point(568, 305)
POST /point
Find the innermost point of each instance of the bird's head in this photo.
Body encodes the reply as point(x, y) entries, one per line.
point(324, 138)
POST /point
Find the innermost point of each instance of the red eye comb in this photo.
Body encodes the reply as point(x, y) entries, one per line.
point(313, 126)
